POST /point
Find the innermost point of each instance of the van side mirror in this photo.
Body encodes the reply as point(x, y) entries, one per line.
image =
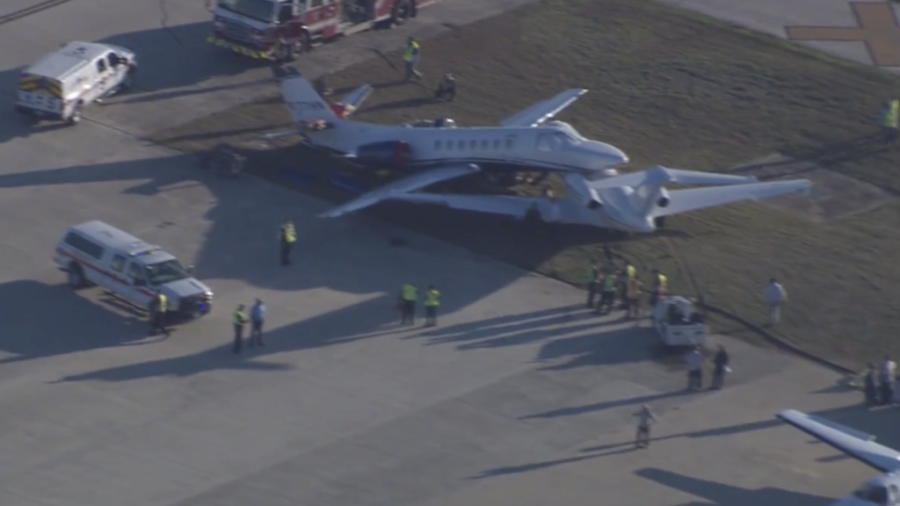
point(190, 269)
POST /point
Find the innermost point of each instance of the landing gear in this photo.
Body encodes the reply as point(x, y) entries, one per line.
point(659, 222)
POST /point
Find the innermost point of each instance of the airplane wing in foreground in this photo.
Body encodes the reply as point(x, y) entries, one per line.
point(543, 111)
point(854, 443)
point(402, 186)
point(683, 201)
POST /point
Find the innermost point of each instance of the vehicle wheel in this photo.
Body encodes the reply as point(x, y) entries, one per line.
point(305, 43)
point(128, 82)
point(403, 10)
point(76, 277)
point(75, 117)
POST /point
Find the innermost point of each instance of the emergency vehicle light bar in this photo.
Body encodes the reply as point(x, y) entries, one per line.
point(144, 251)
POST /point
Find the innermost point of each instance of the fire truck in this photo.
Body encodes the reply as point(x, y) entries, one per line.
point(281, 29)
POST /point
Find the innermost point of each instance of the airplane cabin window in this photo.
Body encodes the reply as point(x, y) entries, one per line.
point(449, 146)
point(496, 144)
point(509, 143)
point(485, 144)
point(437, 145)
point(473, 144)
point(461, 145)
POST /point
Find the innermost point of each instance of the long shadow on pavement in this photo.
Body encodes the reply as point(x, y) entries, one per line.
point(721, 494)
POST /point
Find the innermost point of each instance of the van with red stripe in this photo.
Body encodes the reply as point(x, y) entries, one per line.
point(95, 253)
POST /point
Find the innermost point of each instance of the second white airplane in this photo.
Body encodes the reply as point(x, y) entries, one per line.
point(530, 140)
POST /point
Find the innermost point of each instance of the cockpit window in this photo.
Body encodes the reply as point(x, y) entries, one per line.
point(875, 494)
point(564, 139)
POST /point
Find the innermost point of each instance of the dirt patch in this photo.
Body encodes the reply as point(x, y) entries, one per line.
point(832, 197)
point(668, 87)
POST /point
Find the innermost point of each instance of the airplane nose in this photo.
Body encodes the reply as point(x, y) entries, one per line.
point(608, 155)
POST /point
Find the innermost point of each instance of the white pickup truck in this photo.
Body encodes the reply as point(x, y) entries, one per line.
point(678, 322)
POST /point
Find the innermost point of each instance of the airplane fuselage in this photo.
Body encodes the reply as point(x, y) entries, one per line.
point(554, 146)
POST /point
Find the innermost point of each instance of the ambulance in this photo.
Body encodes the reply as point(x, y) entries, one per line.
point(62, 83)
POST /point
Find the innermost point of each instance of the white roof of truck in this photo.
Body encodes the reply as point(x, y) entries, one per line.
point(67, 60)
point(113, 238)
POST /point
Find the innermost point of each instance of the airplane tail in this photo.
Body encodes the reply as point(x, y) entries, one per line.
point(305, 104)
point(649, 199)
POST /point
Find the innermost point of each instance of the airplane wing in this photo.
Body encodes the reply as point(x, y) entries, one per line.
point(856, 444)
point(662, 175)
point(683, 201)
point(542, 111)
point(496, 204)
point(401, 186)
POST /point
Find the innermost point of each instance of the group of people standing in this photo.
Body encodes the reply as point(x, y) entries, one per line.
point(406, 304)
point(879, 383)
point(611, 283)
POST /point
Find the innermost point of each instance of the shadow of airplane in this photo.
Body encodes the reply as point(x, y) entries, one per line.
point(721, 494)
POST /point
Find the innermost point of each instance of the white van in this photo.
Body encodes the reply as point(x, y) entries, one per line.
point(100, 254)
point(61, 83)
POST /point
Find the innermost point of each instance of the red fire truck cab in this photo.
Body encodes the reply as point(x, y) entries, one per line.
point(280, 29)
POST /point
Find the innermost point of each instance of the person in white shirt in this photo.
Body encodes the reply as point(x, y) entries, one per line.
point(646, 418)
point(776, 295)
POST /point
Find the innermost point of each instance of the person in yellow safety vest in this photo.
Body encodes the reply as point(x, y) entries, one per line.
point(607, 292)
point(593, 284)
point(159, 308)
point(411, 59)
point(633, 297)
point(660, 283)
point(889, 119)
point(630, 270)
point(239, 320)
point(432, 301)
point(408, 296)
point(287, 235)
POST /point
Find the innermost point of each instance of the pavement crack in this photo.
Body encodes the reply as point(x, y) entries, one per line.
point(164, 22)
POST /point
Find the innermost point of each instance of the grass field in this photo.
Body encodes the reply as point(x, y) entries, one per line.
point(668, 88)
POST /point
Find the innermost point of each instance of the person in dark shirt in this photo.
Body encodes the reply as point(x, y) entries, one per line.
point(871, 386)
point(720, 368)
point(447, 88)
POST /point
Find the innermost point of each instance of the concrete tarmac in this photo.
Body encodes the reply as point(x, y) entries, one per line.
point(342, 406)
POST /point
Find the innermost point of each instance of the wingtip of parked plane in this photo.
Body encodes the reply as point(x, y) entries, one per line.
point(285, 71)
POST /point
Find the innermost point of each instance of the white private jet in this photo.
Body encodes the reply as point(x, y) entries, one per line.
point(881, 491)
point(596, 194)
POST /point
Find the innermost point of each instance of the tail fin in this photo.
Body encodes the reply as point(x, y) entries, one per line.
point(303, 101)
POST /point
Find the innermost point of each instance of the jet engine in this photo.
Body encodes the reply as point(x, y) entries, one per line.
point(583, 194)
point(388, 153)
point(662, 199)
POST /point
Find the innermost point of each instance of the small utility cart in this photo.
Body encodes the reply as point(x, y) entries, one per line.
point(678, 322)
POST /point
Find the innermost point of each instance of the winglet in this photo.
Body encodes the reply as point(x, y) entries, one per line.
point(285, 72)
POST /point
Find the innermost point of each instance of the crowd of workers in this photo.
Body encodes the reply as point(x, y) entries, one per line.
point(611, 283)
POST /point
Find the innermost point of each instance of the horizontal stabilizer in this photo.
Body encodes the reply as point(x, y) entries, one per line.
point(407, 184)
point(355, 98)
point(543, 111)
point(659, 176)
point(854, 443)
point(683, 201)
